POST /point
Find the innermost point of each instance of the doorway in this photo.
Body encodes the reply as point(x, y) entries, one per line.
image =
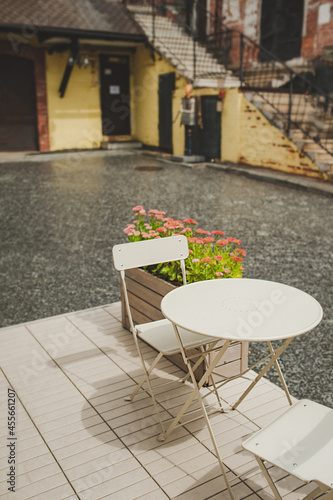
point(115, 95)
point(281, 28)
point(166, 86)
point(211, 107)
point(18, 116)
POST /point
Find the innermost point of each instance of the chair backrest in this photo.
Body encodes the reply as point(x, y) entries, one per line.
point(148, 252)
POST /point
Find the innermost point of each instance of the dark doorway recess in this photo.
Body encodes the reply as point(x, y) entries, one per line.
point(281, 28)
point(115, 95)
point(211, 132)
point(166, 85)
point(18, 115)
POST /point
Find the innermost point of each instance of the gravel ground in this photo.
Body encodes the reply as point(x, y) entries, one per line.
point(60, 217)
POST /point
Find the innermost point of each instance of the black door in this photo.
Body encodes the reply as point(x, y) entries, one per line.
point(166, 85)
point(211, 132)
point(115, 95)
point(281, 28)
point(18, 118)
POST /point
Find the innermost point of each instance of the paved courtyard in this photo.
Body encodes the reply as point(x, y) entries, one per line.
point(61, 215)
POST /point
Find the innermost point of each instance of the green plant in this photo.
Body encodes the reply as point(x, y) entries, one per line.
point(211, 257)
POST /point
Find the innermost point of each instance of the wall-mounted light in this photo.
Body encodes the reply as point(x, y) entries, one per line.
point(82, 60)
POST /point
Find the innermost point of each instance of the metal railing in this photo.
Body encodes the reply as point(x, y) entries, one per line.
point(289, 99)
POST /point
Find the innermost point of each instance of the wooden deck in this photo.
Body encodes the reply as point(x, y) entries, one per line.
point(76, 437)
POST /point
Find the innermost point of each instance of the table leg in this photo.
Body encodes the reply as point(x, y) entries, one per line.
point(275, 355)
point(196, 393)
point(278, 369)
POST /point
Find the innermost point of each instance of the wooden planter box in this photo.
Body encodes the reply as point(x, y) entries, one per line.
point(145, 293)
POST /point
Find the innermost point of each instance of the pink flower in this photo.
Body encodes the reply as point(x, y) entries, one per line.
point(136, 233)
point(195, 260)
point(221, 243)
point(128, 231)
point(161, 229)
point(206, 259)
point(218, 258)
point(132, 226)
point(227, 271)
point(170, 225)
point(233, 240)
point(241, 251)
point(209, 239)
point(199, 241)
point(137, 208)
point(189, 221)
point(142, 212)
point(191, 240)
point(144, 235)
point(202, 231)
point(221, 233)
point(218, 274)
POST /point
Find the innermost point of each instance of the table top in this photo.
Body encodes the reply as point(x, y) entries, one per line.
point(242, 309)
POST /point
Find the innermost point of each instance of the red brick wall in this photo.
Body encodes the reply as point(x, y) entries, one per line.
point(38, 57)
point(316, 35)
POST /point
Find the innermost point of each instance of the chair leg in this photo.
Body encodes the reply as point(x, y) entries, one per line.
point(324, 495)
point(144, 377)
point(268, 478)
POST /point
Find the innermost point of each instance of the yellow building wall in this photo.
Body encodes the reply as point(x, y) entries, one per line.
point(144, 99)
point(249, 138)
point(75, 120)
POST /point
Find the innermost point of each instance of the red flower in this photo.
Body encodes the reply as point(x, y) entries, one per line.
point(209, 239)
point(218, 258)
point(241, 251)
point(199, 241)
point(221, 233)
point(206, 259)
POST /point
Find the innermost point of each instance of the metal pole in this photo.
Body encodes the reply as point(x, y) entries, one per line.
point(241, 76)
point(290, 102)
point(153, 19)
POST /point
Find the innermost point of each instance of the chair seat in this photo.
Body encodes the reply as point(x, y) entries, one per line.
point(300, 442)
point(161, 335)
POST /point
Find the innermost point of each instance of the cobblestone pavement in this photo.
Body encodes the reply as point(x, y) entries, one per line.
point(61, 215)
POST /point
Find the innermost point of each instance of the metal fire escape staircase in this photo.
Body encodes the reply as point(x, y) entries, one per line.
point(290, 98)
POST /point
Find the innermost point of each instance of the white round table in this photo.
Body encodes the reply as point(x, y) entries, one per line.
point(242, 309)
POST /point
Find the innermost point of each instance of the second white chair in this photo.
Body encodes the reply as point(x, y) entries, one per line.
point(158, 334)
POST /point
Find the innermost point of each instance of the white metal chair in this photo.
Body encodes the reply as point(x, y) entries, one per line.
point(300, 442)
point(158, 334)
